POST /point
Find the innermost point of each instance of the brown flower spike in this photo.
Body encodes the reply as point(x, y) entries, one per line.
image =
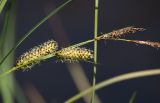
point(120, 32)
point(30, 58)
point(152, 44)
point(71, 54)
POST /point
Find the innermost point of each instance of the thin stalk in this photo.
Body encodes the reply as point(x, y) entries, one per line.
point(33, 29)
point(8, 71)
point(82, 43)
point(95, 48)
point(118, 39)
point(113, 80)
point(133, 97)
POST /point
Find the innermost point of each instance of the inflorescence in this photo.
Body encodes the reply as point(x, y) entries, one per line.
point(120, 32)
point(71, 54)
point(30, 58)
point(75, 54)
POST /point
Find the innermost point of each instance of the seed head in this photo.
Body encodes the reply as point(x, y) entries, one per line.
point(30, 58)
point(74, 54)
point(120, 32)
point(152, 44)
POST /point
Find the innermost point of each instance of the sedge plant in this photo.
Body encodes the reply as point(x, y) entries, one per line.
point(76, 53)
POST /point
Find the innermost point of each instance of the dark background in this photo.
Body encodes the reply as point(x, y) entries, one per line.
point(74, 24)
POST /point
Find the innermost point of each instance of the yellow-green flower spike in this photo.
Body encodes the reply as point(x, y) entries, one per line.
point(74, 54)
point(30, 58)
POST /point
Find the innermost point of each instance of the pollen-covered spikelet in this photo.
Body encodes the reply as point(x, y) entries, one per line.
point(30, 58)
point(71, 54)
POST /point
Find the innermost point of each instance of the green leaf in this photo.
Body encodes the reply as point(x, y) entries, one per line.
point(2, 4)
point(8, 34)
point(113, 80)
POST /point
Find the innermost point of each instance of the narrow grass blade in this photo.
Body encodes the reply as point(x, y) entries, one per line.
point(7, 83)
point(116, 79)
point(133, 97)
point(2, 4)
point(4, 29)
point(34, 28)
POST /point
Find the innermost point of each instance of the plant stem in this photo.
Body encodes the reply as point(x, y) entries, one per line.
point(8, 72)
point(133, 97)
point(82, 43)
point(113, 80)
point(95, 49)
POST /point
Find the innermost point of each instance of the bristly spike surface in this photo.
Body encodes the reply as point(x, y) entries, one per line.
point(120, 32)
point(76, 54)
point(30, 58)
point(149, 43)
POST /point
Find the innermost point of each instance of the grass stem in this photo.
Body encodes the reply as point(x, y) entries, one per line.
point(8, 72)
point(132, 97)
point(95, 49)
